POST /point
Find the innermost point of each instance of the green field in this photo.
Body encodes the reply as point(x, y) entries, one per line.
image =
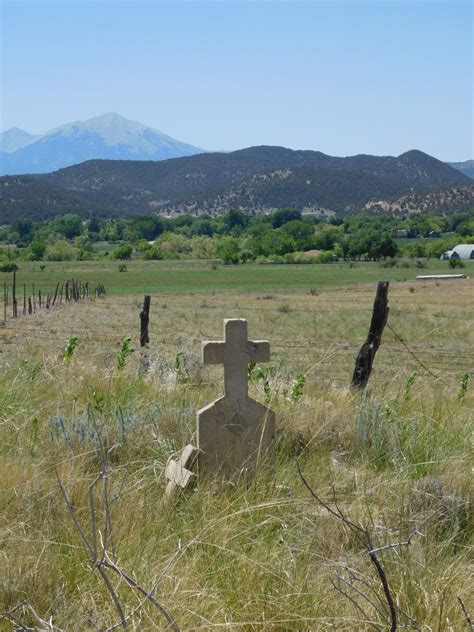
point(165, 277)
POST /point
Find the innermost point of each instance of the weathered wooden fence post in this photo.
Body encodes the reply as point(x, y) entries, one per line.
point(5, 301)
point(366, 355)
point(56, 293)
point(14, 301)
point(144, 336)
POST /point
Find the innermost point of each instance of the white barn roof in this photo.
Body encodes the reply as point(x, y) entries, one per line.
point(464, 251)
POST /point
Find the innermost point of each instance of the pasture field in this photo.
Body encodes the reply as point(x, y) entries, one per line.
point(396, 459)
point(166, 277)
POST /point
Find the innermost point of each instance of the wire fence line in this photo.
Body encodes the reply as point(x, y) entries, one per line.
point(289, 343)
point(124, 330)
point(333, 354)
point(159, 301)
point(333, 363)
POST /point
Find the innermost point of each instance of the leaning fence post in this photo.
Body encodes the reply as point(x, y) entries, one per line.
point(366, 355)
point(14, 301)
point(56, 292)
point(144, 337)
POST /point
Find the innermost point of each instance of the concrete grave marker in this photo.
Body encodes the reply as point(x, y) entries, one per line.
point(235, 431)
point(178, 473)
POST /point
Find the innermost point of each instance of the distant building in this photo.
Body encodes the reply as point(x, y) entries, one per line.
point(463, 251)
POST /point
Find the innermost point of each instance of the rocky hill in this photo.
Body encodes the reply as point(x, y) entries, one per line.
point(254, 179)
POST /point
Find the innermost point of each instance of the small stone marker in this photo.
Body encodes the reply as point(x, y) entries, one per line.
point(178, 473)
point(235, 431)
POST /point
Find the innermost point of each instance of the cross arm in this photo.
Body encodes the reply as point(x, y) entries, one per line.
point(258, 351)
point(213, 352)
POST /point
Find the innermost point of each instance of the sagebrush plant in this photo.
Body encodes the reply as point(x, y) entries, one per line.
point(248, 557)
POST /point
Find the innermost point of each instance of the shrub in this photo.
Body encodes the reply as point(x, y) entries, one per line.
point(123, 252)
point(456, 263)
point(8, 267)
point(326, 257)
point(61, 250)
point(122, 267)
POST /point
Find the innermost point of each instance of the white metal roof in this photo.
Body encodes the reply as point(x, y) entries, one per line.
point(464, 250)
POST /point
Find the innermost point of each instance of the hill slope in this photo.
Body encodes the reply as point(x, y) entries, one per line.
point(253, 179)
point(466, 167)
point(105, 137)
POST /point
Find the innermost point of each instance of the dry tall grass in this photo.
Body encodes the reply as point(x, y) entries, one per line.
point(397, 459)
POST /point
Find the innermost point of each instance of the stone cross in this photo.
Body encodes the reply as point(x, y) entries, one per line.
point(235, 431)
point(178, 473)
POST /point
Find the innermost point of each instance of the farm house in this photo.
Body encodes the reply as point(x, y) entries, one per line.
point(463, 251)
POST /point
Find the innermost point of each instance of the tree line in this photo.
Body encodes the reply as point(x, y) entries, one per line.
point(287, 235)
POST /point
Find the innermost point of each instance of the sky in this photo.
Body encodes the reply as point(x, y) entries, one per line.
point(341, 76)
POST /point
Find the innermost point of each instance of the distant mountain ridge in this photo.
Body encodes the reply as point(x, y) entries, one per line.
point(109, 136)
point(14, 139)
point(466, 167)
point(257, 179)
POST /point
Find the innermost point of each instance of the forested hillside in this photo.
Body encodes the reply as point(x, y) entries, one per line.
point(254, 179)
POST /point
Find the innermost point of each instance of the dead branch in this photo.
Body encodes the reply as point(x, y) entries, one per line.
point(354, 603)
point(97, 546)
point(466, 614)
point(363, 535)
point(363, 595)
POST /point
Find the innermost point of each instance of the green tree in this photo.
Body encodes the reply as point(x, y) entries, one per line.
point(37, 250)
point(285, 215)
point(301, 232)
point(228, 249)
point(71, 225)
point(123, 252)
point(61, 250)
point(203, 247)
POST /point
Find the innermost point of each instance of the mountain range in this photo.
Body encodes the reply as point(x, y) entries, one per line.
point(109, 136)
point(256, 179)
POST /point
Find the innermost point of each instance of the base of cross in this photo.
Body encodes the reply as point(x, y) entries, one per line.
point(182, 474)
point(179, 473)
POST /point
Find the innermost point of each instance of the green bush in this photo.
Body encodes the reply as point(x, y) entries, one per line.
point(123, 252)
point(456, 263)
point(8, 267)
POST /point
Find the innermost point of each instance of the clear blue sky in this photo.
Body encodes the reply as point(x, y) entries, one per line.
point(340, 76)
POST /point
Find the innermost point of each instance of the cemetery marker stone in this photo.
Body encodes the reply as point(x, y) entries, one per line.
point(235, 431)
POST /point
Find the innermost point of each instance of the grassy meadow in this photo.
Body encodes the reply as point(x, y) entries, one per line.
point(396, 459)
point(166, 277)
